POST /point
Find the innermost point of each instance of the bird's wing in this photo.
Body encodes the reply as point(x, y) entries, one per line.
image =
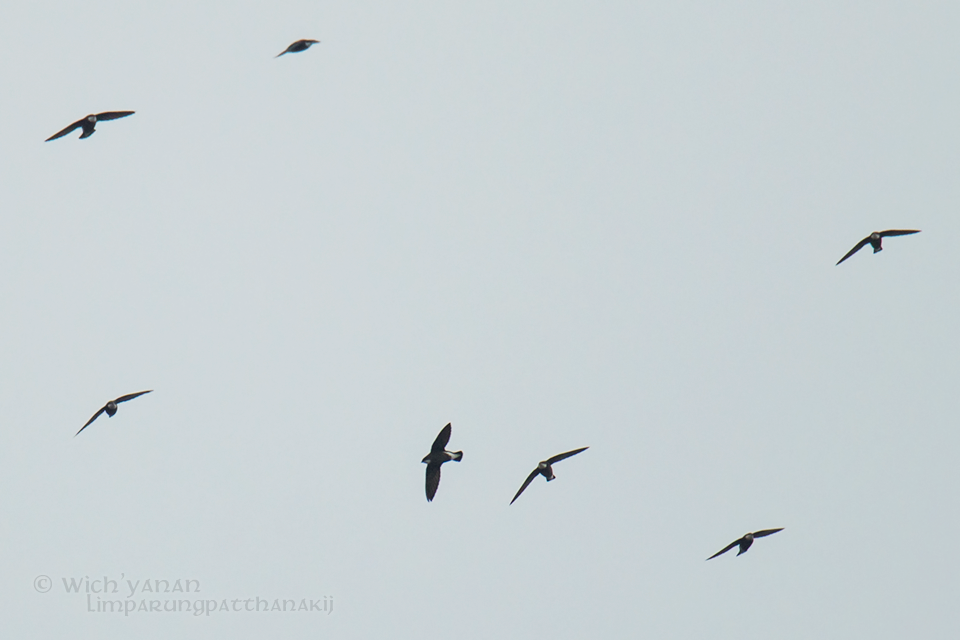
point(563, 456)
point(131, 396)
point(433, 480)
point(725, 549)
point(442, 439)
point(898, 232)
point(859, 246)
point(765, 532)
point(113, 115)
point(526, 483)
point(95, 416)
point(65, 131)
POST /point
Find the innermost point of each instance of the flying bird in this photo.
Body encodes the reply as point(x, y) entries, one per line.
point(88, 123)
point(545, 469)
point(297, 47)
point(111, 408)
point(437, 456)
point(745, 542)
point(875, 240)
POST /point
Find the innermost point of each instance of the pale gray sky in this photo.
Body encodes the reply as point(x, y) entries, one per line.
point(554, 225)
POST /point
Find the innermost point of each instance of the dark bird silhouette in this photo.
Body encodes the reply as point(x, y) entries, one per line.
point(437, 456)
point(88, 123)
point(875, 240)
point(545, 469)
point(745, 542)
point(297, 47)
point(111, 408)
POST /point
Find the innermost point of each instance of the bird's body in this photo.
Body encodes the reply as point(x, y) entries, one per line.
point(437, 456)
point(111, 408)
point(297, 47)
point(875, 240)
point(545, 469)
point(745, 542)
point(89, 123)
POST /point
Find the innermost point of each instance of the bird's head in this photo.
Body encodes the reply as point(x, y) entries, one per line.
point(92, 117)
point(874, 236)
point(426, 459)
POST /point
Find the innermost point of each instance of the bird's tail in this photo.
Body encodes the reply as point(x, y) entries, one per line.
point(456, 455)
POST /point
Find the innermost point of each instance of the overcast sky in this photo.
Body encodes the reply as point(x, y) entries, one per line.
point(553, 224)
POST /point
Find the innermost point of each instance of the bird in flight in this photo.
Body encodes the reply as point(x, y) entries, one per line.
point(437, 456)
point(745, 542)
point(297, 47)
point(111, 408)
point(875, 240)
point(545, 469)
point(89, 123)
